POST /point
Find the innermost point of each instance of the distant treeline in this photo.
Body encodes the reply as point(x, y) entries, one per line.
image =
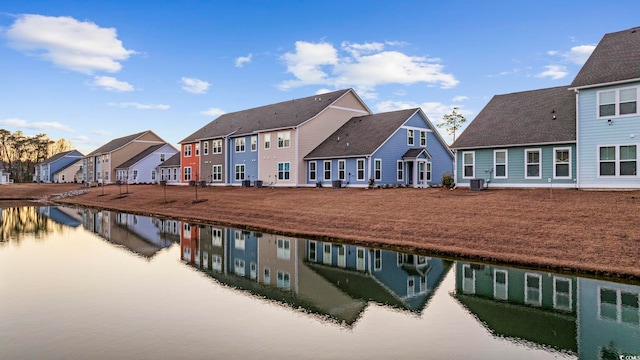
point(20, 153)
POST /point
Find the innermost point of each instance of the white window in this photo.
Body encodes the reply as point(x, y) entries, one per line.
point(618, 102)
point(468, 164)
point(153, 175)
point(266, 276)
point(187, 150)
point(377, 259)
point(186, 229)
point(216, 262)
point(377, 169)
point(284, 169)
point(562, 163)
point(533, 289)
point(500, 284)
point(400, 170)
point(253, 270)
point(254, 143)
point(360, 169)
point(562, 293)
point(468, 279)
point(240, 143)
point(205, 148)
point(423, 138)
point(421, 172)
point(411, 286)
point(284, 138)
point(500, 164)
point(239, 240)
point(619, 160)
point(326, 253)
point(162, 157)
point(216, 237)
point(311, 255)
point(619, 306)
point(342, 172)
point(217, 146)
point(327, 170)
point(410, 137)
point(135, 175)
point(428, 172)
point(239, 172)
point(312, 171)
point(284, 249)
point(187, 173)
point(533, 163)
point(216, 173)
point(284, 280)
point(360, 259)
point(267, 141)
point(238, 267)
point(198, 149)
point(175, 174)
point(342, 256)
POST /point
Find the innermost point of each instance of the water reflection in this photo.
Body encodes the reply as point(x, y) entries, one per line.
point(16, 222)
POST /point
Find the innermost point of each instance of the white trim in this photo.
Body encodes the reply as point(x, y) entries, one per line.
point(469, 148)
point(473, 154)
point(526, 164)
point(577, 88)
point(616, 162)
point(526, 292)
point(506, 284)
point(324, 170)
point(555, 293)
point(364, 167)
point(529, 185)
point(616, 102)
point(347, 109)
point(506, 164)
point(374, 169)
point(570, 176)
point(466, 290)
point(315, 171)
point(398, 170)
point(344, 169)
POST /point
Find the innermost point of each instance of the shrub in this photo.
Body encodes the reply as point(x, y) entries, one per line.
point(447, 180)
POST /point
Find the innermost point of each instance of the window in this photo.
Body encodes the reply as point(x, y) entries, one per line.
point(284, 249)
point(162, 157)
point(468, 165)
point(360, 169)
point(239, 172)
point(153, 175)
point(342, 173)
point(562, 299)
point(216, 262)
point(533, 162)
point(618, 102)
point(175, 174)
point(253, 270)
point(216, 173)
point(400, 170)
point(533, 290)
point(312, 251)
point(254, 143)
point(327, 170)
point(468, 279)
point(562, 163)
point(620, 306)
point(500, 164)
point(216, 146)
point(326, 253)
point(187, 173)
point(500, 284)
point(197, 149)
point(312, 171)
point(238, 267)
point(421, 172)
point(284, 138)
point(187, 150)
point(284, 280)
point(428, 172)
point(283, 170)
point(240, 144)
point(216, 237)
point(361, 263)
point(377, 259)
point(267, 276)
point(267, 141)
point(135, 175)
point(423, 138)
point(239, 240)
point(410, 137)
point(377, 169)
point(618, 160)
point(205, 148)
point(411, 286)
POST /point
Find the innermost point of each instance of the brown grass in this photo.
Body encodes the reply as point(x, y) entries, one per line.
point(594, 233)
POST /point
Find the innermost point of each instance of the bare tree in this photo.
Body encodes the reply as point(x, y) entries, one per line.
point(453, 122)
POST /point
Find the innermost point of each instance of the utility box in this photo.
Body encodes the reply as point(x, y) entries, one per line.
point(476, 184)
point(246, 183)
point(336, 184)
point(257, 183)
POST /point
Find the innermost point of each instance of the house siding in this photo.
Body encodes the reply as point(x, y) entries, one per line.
point(211, 159)
point(69, 174)
point(145, 167)
point(192, 161)
point(247, 157)
point(594, 132)
point(268, 159)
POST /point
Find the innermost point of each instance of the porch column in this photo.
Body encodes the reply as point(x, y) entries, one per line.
point(416, 169)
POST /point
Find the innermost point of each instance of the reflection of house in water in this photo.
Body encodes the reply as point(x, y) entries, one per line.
point(62, 215)
point(594, 319)
point(142, 235)
point(337, 284)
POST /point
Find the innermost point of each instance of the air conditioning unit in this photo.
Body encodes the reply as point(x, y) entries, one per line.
point(476, 184)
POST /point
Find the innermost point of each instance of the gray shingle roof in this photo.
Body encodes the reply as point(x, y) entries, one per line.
point(67, 166)
point(275, 116)
point(116, 143)
point(141, 155)
point(361, 135)
point(523, 118)
point(59, 156)
point(172, 161)
point(616, 58)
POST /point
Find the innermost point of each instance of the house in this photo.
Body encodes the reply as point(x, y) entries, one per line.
point(523, 139)
point(398, 147)
point(99, 166)
point(170, 169)
point(47, 171)
point(5, 175)
point(70, 173)
point(142, 168)
point(267, 143)
point(608, 122)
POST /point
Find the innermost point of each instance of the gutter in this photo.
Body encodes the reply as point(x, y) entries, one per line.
point(605, 84)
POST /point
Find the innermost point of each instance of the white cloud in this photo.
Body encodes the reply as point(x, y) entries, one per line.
point(240, 61)
point(68, 43)
point(40, 126)
point(362, 66)
point(140, 106)
point(112, 84)
point(554, 72)
point(213, 112)
point(195, 86)
point(579, 54)
point(102, 132)
point(460, 98)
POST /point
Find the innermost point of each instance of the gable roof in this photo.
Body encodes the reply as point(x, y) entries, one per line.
point(67, 166)
point(361, 135)
point(281, 115)
point(523, 118)
point(60, 155)
point(616, 58)
point(172, 161)
point(141, 155)
point(117, 143)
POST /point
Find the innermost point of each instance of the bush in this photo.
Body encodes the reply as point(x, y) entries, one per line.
point(447, 180)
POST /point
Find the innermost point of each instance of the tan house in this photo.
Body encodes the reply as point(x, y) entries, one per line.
point(100, 165)
point(71, 173)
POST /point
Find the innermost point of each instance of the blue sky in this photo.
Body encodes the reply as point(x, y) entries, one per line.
point(92, 71)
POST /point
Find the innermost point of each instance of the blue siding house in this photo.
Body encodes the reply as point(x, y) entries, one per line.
point(608, 122)
point(393, 148)
point(45, 171)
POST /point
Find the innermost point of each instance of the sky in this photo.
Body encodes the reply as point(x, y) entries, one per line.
point(93, 71)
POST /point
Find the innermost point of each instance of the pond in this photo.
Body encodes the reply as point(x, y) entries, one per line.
point(85, 284)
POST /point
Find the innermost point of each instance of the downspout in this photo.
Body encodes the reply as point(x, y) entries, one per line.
point(577, 174)
point(295, 129)
point(455, 167)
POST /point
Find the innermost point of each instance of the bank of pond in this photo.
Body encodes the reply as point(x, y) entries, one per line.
point(80, 282)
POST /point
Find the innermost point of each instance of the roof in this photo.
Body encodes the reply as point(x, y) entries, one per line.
point(361, 135)
point(172, 161)
point(415, 153)
point(616, 58)
point(68, 166)
point(60, 156)
point(116, 143)
point(523, 118)
point(141, 155)
point(275, 116)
